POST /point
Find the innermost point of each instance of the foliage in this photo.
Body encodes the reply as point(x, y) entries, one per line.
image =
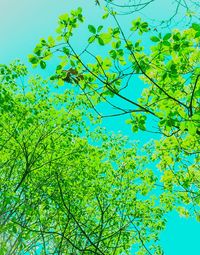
point(70, 188)
point(171, 70)
point(173, 12)
point(59, 194)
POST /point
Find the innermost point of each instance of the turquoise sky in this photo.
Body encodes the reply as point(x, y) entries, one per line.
point(24, 22)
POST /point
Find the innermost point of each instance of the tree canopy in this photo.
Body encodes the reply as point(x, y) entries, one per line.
point(68, 186)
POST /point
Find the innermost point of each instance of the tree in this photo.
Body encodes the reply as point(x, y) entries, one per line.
point(181, 11)
point(59, 193)
point(171, 100)
point(69, 190)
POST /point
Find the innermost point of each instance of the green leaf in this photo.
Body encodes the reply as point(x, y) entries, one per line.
point(92, 29)
point(60, 82)
point(197, 34)
point(129, 121)
point(43, 42)
point(166, 43)
point(51, 41)
point(144, 25)
point(42, 64)
point(105, 16)
point(154, 39)
point(106, 37)
point(113, 54)
point(176, 47)
point(33, 59)
point(38, 50)
point(167, 36)
point(164, 75)
point(198, 217)
point(176, 37)
point(115, 31)
point(196, 26)
point(66, 50)
point(134, 128)
point(100, 41)
point(64, 17)
point(136, 22)
point(99, 29)
point(91, 38)
point(192, 129)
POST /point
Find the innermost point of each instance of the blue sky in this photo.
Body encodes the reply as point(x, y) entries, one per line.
point(24, 22)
